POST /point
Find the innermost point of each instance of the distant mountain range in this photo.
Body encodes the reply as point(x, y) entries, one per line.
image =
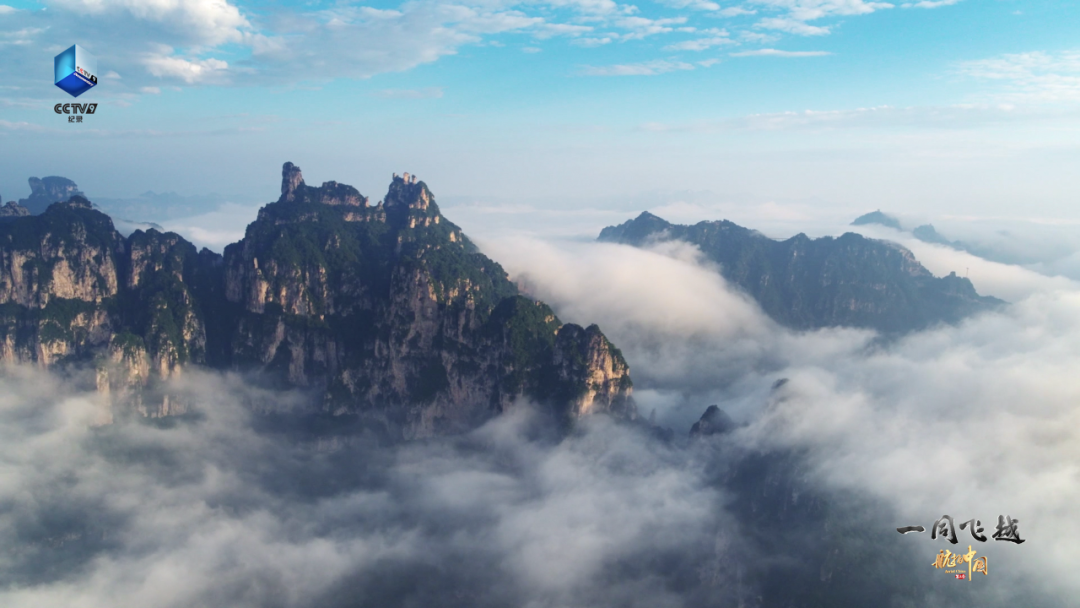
point(148, 205)
point(928, 234)
point(386, 312)
point(807, 283)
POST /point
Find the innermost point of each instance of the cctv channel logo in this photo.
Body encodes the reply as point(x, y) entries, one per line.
point(76, 70)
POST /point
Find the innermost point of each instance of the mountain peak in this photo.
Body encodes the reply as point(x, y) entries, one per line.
point(400, 321)
point(291, 180)
point(635, 230)
point(293, 190)
point(808, 283)
point(48, 190)
point(406, 195)
point(877, 217)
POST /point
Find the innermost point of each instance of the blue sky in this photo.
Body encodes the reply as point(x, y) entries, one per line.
point(967, 107)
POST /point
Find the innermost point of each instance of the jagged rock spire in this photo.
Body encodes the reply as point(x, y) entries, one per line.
point(291, 179)
point(406, 195)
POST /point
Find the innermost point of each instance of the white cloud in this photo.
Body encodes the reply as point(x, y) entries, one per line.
point(305, 44)
point(191, 71)
point(547, 30)
point(974, 420)
point(593, 42)
point(5, 9)
point(1009, 282)
point(204, 21)
point(779, 53)
point(1033, 76)
point(21, 37)
point(641, 27)
point(758, 37)
point(977, 421)
point(648, 68)
point(213, 512)
point(930, 3)
point(792, 26)
point(735, 11)
point(701, 44)
point(593, 8)
point(796, 14)
point(700, 5)
point(808, 10)
point(351, 43)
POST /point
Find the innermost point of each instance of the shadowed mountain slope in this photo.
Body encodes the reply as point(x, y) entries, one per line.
point(809, 283)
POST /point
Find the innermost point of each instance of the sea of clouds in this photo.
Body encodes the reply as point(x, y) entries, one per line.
point(841, 438)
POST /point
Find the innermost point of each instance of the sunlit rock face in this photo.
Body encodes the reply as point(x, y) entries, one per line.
point(392, 312)
point(385, 312)
point(807, 283)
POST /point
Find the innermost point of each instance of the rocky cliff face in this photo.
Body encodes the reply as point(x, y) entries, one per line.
point(72, 289)
point(387, 312)
point(13, 209)
point(808, 283)
point(394, 314)
point(58, 274)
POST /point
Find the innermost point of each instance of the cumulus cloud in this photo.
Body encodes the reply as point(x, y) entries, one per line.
point(207, 21)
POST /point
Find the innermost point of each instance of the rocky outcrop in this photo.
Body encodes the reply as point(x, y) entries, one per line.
point(61, 256)
point(48, 190)
point(879, 218)
point(293, 189)
point(394, 314)
point(387, 313)
point(714, 421)
point(809, 283)
point(13, 209)
point(585, 359)
point(73, 290)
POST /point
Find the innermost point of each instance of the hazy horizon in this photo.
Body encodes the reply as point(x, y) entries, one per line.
point(961, 107)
